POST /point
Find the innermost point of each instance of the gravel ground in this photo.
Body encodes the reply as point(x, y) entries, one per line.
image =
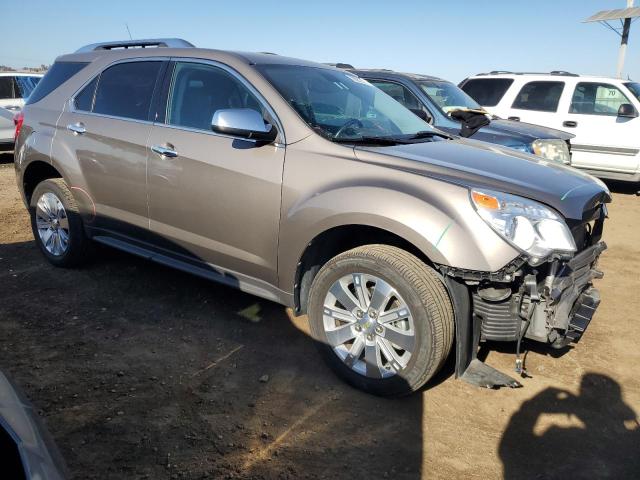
point(140, 371)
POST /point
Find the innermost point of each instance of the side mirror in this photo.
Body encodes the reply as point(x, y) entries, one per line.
point(421, 114)
point(627, 110)
point(243, 123)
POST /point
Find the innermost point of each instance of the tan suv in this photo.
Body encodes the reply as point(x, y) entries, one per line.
point(305, 185)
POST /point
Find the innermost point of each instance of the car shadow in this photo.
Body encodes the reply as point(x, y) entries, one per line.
point(143, 370)
point(624, 188)
point(6, 157)
point(557, 434)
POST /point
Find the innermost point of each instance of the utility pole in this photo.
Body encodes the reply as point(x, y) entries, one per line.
point(626, 27)
point(626, 16)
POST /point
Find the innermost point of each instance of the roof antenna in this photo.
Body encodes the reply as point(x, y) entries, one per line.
point(128, 31)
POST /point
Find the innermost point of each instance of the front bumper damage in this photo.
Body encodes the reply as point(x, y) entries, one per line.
point(551, 303)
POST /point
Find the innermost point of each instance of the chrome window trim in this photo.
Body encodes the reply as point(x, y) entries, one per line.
point(72, 101)
point(235, 74)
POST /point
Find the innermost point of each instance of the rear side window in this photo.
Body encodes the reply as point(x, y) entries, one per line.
point(398, 92)
point(487, 91)
point(84, 100)
point(539, 96)
point(125, 90)
point(6, 88)
point(24, 85)
point(59, 73)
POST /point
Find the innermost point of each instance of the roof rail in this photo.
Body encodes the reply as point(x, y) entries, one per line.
point(561, 73)
point(340, 65)
point(146, 43)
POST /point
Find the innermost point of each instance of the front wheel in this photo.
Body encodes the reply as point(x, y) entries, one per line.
point(382, 319)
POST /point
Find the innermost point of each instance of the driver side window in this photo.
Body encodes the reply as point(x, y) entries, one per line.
point(199, 90)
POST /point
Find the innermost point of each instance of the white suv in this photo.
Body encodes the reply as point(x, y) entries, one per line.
point(14, 88)
point(602, 112)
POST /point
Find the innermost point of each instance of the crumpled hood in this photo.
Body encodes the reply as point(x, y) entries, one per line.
point(477, 164)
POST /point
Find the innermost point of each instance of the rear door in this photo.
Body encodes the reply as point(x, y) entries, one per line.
point(106, 126)
point(215, 199)
point(604, 141)
point(536, 102)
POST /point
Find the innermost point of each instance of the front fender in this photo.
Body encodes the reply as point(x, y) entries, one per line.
point(439, 221)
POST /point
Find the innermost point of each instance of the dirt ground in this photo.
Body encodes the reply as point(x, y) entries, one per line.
point(140, 371)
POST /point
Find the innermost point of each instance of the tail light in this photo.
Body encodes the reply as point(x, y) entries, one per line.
point(18, 120)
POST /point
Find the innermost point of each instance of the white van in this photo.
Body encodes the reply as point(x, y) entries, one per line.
point(14, 88)
point(601, 112)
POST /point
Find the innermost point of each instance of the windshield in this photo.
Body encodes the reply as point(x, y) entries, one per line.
point(341, 106)
point(634, 87)
point(447, 96)
point(26, 85)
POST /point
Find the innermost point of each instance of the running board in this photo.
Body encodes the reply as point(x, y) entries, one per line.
point(482, 375)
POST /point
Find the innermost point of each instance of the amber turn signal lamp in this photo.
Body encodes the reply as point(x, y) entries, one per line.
point(485, 201)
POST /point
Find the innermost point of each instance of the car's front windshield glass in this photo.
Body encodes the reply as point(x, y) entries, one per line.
point(447, 96)
point(340, 106)
point(634, 87)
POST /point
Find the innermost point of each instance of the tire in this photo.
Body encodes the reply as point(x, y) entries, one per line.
point(430, 318)
point(77, 250)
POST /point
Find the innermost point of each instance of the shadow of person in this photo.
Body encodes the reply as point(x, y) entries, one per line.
point(557, 434)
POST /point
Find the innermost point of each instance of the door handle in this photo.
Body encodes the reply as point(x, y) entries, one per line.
point(515, 119)
point(167, 151)
point(77, 128)
point(12, 107)
point(570, 124)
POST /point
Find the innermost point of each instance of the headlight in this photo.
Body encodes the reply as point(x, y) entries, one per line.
point(529, 226)
point(555, 150)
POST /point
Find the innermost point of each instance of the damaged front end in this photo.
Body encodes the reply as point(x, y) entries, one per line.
point(551, 302)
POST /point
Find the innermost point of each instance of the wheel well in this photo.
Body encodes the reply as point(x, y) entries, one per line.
point(335, 241)
point(35, 173)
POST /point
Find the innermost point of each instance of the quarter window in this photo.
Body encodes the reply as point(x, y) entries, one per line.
point(591, 98)
point(487, 91)
point(199, 90)
point(58, 74)
point(84, 99)
point(539, 96)
point(125, 90)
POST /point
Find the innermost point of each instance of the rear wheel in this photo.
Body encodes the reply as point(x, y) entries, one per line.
point(381, 318)
point(56, 224)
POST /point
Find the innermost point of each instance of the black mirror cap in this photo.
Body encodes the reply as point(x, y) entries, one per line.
point(627, 110)
point(421, 114)
point(259, 137)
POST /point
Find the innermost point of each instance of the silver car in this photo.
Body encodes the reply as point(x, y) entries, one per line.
point(308, 186)
point(14, 88)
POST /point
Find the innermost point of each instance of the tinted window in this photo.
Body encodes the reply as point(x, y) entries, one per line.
point(25, 85)
point(398, 92)
point(597, 99)
point(6, 87)
point(635, 88)
point(59, 73)
point(125, 90)
point(487, 91)
point(197, 91)
point(539, 96)
point(84, 100)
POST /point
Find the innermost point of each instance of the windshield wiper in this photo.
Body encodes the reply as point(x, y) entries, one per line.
point(428, 134)
point(382, 141)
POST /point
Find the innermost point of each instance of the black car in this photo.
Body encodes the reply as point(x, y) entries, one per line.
point(448, 108)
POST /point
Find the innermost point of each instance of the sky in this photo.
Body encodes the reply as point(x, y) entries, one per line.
point(449, 39)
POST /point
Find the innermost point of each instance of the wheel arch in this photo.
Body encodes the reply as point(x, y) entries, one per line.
point(338, 239)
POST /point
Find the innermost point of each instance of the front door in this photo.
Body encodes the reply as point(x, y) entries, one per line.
point(604, 141)
point(213, 198)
